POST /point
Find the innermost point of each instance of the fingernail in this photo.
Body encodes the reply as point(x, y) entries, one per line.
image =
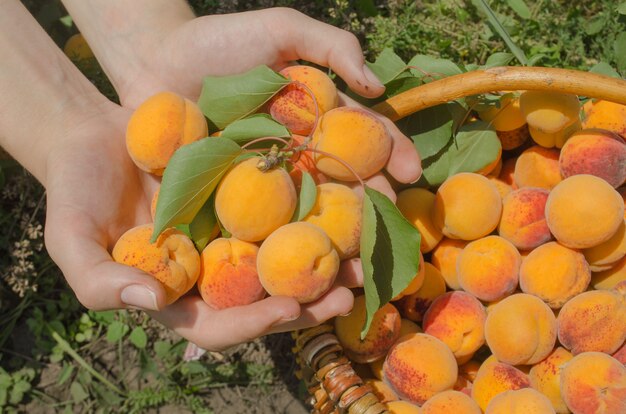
point(346, 314)
point(369, 75)
point(139, 296)
point(289, 318)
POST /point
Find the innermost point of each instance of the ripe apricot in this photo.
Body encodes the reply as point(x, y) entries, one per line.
point(605, 255)
point(523, 401)
point(337, 211)
point(583, 211)
point(494, 377)
point(607, 279)
point(383, 332)
point(173, 259)
point(537, 167)
point(297, 260)
point(419, 366)
point(251, 203)
point(303, 162)
point(545, 377)
point(415, 305)
point(467, 206)
point(355, 136)
point(523, 220)
point(159, 126)
point(451, 401)
point(294, 107)
point(402, 407)
point(605, 115)
point(444, 258)
point(416, 205)
point(228, 275)
point(551, 116)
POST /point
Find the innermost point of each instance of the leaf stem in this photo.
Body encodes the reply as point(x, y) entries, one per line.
point(339, 160)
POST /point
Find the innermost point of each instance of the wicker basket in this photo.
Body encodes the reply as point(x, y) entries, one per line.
point(333, 384)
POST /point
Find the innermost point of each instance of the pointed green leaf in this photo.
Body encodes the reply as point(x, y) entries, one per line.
point(255, 126)
point(621, 9)
point(604, 68)
point(401, 84)
point(520, 7)
point(430, 68)
point(595, 24)
point(225, 99)
point(306, 200)
point(78, 392)
point(498, 59)
point(203, 224)
point(390, 248)
point(475, 146)
point(190, 178)
point(116, 331)
point(138, 337)
point(65, 374)
point(387, 66)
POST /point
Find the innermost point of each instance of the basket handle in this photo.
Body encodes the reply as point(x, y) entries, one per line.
point(503, 78)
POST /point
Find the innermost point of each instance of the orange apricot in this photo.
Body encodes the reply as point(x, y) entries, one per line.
point(450, 401)
point(551, 116)
point(523, 220)
point(415, 305)
point(416, 205)
point(444, 258)
point(545, 377)
point(605, 115)
point(537, 167)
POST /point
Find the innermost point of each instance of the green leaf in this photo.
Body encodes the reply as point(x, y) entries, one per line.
point(474, 147)
point(225, 99)
point(366, 7)
point(78, 392)
point(390, 247)
point(203, 224)
point(604, 68)
point(595, 24)
point(498, 59)
point(306, 200)
point(534, 59)
point(255, 126)
point(499, 28)
point(191, 175)
point(520, 7)
point(387, 66)
point(65, 374)
point(620, 51)
point(116, 331)
point(138, 337)
point(16, 395)
point(401, 84)
point(162, 348)
point(621, 9)
point(429, 68)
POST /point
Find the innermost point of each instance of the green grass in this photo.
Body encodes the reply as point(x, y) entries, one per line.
point(54, 353)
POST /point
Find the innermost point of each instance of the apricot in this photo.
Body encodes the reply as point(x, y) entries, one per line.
point(597, 152)
point(503, 188)
point(605, 115)
point(382, 391)
point(294, 106)
point(530, 338)
point(173, 259)
point(584, 211)
point(506, 116)
point(554, 273)
point(467, 206)
point(377, 366)
point(493, 378)
point(545, 377)
point(77, 49)
point(605, 255)
point(407, 326)
point(419, 366)
point(337, 211)
point(383, 332)
point(228, 275)
point(402, 407)
point(620, 354)
point(304, 161)
point(444, 258)
point(450, 402)
point(515, 138)
point(507, 172)
point(523, 220)
point(607, 279)
point(488, 268)
point(416, 205)
point(355, 136)
point(458, 319)
point(594, 383)
point(593, 321)
point(537, 167)
point(524, 401)
point(159, 126)
point(251, 203)
point(297, 260)
point(415, 305)
point(492, 166)
point(551, 116)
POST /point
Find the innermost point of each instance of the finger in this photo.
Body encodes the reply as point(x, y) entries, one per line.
point(379, 183)
point(338, 301)
point(305, 38)
point(404, 162)
point(216, 330)
point(99, 283)
point(350, 273)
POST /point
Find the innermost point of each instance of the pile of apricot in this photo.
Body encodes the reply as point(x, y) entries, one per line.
point(519, 305)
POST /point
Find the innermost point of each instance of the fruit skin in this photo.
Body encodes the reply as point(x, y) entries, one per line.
point(450, 402)
point(523, 220)
point(521, 329)
point(537, 167)
point(173, 259)
point(495, 377)
point(419, 366)
point(338, 211)
point(444, 258)
point(545, 377)
point(356, 137)
point(294, 107)
point(299, 261)
point(605, 255)
point(402, 407)
point(551, 116)
point(605, 115)
point(597, 152)
point(383, 332)
point(467, 206)
point(415, 305)
point(251, 204)
point(594, 383)
point(607, 279)
point(554, 273)
point(228, 275)
point(583, 211)
point(524, 401)
point(416, 205)
point(593, 321)
point(159, 126)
